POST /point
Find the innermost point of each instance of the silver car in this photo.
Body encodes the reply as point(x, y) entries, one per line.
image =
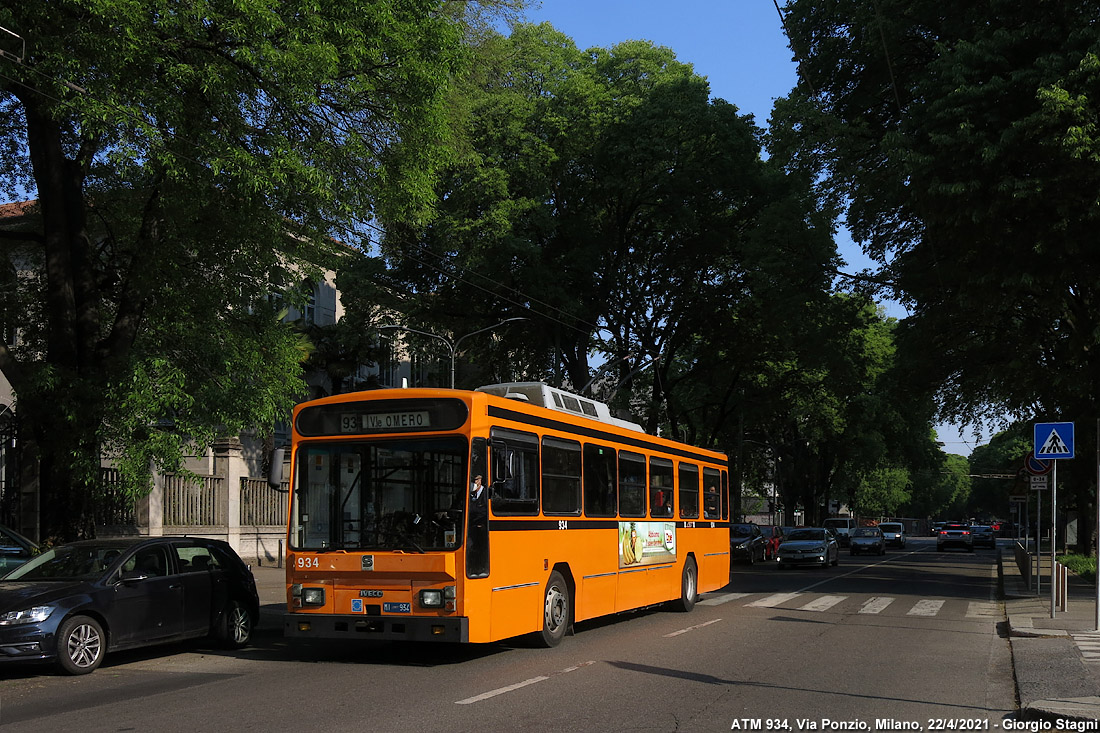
point(955, 535)
point(808, 546)
point(868, 540)
point(983, 536)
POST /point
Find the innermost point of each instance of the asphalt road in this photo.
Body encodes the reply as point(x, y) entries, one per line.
point(914, 636)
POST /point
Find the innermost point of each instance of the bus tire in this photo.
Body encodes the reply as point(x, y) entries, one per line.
point(556, 610)
point(689, 586)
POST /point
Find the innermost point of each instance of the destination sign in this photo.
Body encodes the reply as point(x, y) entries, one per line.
point(359, 422)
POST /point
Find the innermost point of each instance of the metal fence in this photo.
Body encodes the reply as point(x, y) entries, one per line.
point(194, 501)
point(262, 505)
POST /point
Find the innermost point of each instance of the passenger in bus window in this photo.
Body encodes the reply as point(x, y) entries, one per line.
point(710, 503)
point(662, 503)
point(477, 535)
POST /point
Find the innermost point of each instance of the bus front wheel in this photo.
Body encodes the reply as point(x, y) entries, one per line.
point(555, 610)
point(689, 586)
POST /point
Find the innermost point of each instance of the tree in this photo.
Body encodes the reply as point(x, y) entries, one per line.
point(186, 162)
point(963, 152)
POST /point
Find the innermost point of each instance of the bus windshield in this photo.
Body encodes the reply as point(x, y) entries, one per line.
point(405, 494)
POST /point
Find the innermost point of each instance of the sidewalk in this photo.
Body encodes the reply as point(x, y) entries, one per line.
point(1052, 679)
point(271, 584)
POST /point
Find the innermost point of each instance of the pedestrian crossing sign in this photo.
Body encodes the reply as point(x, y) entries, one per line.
point(1053, 440)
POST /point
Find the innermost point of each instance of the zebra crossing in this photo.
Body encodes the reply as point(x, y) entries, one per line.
point(887, 605)
point(1088, 642)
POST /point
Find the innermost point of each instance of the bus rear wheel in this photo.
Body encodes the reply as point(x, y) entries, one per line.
point(689, 586)
point(556, 610)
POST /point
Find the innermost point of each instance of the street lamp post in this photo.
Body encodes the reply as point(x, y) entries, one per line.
point(452, 346)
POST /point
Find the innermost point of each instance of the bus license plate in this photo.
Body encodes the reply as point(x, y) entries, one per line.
point(397, 607)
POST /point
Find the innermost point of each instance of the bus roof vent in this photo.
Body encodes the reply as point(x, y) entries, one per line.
point(558, 400)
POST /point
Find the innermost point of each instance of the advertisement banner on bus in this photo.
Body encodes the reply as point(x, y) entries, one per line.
point(646, 543)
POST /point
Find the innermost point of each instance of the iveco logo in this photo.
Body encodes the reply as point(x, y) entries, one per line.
point(370, 594)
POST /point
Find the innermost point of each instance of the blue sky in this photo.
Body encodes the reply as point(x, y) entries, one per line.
point(739, 46)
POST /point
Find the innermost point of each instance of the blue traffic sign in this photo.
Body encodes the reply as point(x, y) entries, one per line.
point(1053, 440)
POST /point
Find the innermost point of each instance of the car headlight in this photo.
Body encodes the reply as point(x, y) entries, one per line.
point(819, 549)
point(431, 598)
point(26, 616)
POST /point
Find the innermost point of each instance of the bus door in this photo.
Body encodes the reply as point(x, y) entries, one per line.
point(477, 517)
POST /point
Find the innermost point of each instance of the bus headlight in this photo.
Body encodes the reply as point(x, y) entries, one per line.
point(431, 598)
point(313, 596)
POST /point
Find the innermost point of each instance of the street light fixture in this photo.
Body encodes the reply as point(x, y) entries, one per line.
point(452, 346)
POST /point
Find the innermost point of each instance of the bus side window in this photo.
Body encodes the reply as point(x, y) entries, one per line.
point(712, 499)
point(689, 491)
point(561, 476)
point(599, 481)
point(515, 472)
point(660, 487)
point(631, 484)
point(725, 495)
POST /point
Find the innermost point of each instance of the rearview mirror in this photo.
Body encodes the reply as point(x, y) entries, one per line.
point(275, 469)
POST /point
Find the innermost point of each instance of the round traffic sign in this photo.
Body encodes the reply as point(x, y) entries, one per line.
point(1037, 466)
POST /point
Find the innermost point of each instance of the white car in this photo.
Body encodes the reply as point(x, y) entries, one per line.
point(843, 527)
point(894, 532)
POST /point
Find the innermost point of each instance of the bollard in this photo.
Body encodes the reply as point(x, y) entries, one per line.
point(1063, 587)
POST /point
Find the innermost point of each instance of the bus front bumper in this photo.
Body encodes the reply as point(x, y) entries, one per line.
point(359, 626)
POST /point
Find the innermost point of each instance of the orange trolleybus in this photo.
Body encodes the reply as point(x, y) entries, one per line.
point(474, 516)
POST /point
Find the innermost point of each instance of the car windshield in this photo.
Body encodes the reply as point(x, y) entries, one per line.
point(741, 530)
point(865, 532)
point(68, 562)
point(807, 534)
point(767, 531)
point(890, 527)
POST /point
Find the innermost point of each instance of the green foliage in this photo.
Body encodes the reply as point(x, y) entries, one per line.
point(1082, 565)
point(188, 162)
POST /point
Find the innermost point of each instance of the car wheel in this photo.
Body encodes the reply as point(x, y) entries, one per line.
point(235, 626)
point(81, 645)
point(836, 560)
point(689, 586)
point(555, 610)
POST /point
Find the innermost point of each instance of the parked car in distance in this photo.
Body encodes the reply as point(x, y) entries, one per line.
point(894, 533)
point(15, 549)
point(868, 540)
point(936, 527)
point(746, 543)
point(773, 536)
point(955, 534)
point(983, 535)
point(809, 546)
point(843, 527)
point(74, 603)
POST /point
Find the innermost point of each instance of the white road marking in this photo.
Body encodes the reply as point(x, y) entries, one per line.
point(925, 608)
point(724, 598)
point(876, 605)
point(823, 604)
point(773, 600)
point(692, 628)
point(1088, 643)
point(519, 685)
